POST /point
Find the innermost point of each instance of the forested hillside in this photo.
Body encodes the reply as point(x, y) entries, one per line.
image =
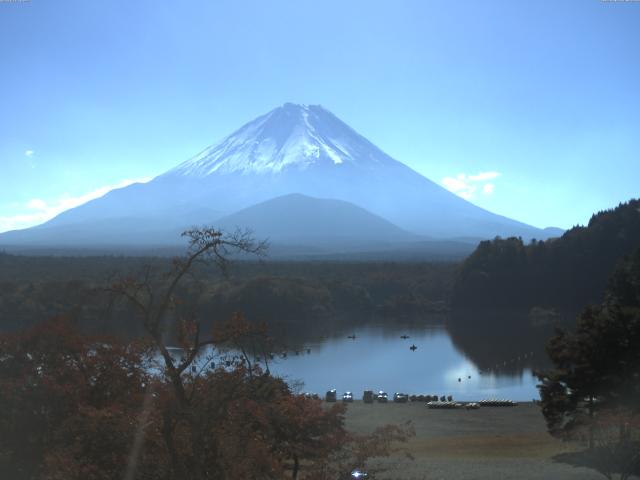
point(298, 299)
point(508, 297)
point(565, 274)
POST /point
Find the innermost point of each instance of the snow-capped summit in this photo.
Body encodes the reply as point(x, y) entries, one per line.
point(289, 137)
point(293, 149)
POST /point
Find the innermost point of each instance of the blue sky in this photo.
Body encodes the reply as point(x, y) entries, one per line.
point(528, 109)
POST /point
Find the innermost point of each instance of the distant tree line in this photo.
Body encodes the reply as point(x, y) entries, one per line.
point(296, 298)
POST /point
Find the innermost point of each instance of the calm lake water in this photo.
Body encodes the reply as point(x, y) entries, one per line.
point(378, 359)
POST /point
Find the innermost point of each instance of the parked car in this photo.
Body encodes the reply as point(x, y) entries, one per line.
point(331, 396)
point(382, 397)
point(367, 396)
point(347, 397)
point(400, 397)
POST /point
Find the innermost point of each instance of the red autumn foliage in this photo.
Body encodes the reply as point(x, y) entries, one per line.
point(80, 407)
point(67, 402)
point(77, 407)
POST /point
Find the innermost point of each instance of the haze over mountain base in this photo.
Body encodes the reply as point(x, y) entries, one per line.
point(297, 175)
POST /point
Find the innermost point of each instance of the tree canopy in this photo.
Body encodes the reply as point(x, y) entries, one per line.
point(594, 387)
point(565, 273)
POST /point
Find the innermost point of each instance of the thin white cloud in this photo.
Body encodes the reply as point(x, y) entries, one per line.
point(467, 186)
point(39, 211)
point(459, 185)
point(488, 188)
point(483, 176)
point(36, 204)
point(29, 153)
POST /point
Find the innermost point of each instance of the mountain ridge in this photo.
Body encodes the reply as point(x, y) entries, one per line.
point(293, 149)
point(300, 219)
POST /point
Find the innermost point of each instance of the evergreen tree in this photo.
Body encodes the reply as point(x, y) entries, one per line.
point(593, 393)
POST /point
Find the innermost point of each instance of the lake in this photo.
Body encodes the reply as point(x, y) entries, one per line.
point(378, 359)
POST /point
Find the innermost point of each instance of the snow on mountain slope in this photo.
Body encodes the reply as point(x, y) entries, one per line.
point(291, 136)
point(294, 149)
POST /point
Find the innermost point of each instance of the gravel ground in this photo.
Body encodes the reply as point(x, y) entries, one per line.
point(489, 443)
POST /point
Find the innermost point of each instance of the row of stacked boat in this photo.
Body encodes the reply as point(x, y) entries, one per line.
point(433, 401)
point(471, 405)
point(451, 405)
point(493, 402)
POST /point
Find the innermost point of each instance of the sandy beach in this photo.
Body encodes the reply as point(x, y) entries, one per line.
point(488, 443)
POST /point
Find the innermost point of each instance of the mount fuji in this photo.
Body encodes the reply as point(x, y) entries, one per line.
point(300, 153)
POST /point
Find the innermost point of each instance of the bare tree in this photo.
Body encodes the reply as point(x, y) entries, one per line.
point(155, 301)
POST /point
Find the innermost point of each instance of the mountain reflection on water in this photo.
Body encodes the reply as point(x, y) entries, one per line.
point(379, 359)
